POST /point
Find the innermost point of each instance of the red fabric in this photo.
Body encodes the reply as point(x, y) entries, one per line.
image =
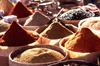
point(90, 8)
point(20, 10)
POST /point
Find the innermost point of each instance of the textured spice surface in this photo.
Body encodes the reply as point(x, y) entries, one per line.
point(92, 24)
point(20, 10)
point(15, 35)
point(6, 6)
point(55, 31)
point(4, 26)
point(38, 55)
point(37, 19)
point(84, 41)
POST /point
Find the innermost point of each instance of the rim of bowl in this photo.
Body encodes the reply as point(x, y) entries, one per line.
point(70, 61)
point(67, 38)
point(81, 21)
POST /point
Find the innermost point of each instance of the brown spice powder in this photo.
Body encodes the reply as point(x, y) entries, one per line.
point(55, 31)
point(37, 19)
point(6, 6)
point(83, 41)
point(38, 55)
point(4, 26)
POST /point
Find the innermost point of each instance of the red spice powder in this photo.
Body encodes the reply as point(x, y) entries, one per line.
point(17, 36)
point(20, 10)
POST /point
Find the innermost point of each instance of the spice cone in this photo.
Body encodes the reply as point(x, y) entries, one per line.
point(20, 10)
point(83, 41)
point(6, 6)
point(56, 31)
point(37, 19)
point(17, 36)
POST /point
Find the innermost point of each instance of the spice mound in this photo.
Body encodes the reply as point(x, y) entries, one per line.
point(6, 6)
point(76, 14)
point(56, 31)
point(4, 26)
point(15, 35)
point(92, 23)
point(84, 40)
point(20, 10)
point(37, 19)
point(38, 55)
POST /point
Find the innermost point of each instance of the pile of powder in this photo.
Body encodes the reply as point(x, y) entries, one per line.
point(55, 31)
point(38, 55)
point(20, 10)
point(92, 23)
point(6, 6)
point(37, 19)
point(15, 35)
point(4, 26)
point(83, 41)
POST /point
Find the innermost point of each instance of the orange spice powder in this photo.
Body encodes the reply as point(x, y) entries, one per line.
point(83, 41)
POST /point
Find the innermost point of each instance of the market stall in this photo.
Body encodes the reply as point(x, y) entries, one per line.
point(50, 33)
